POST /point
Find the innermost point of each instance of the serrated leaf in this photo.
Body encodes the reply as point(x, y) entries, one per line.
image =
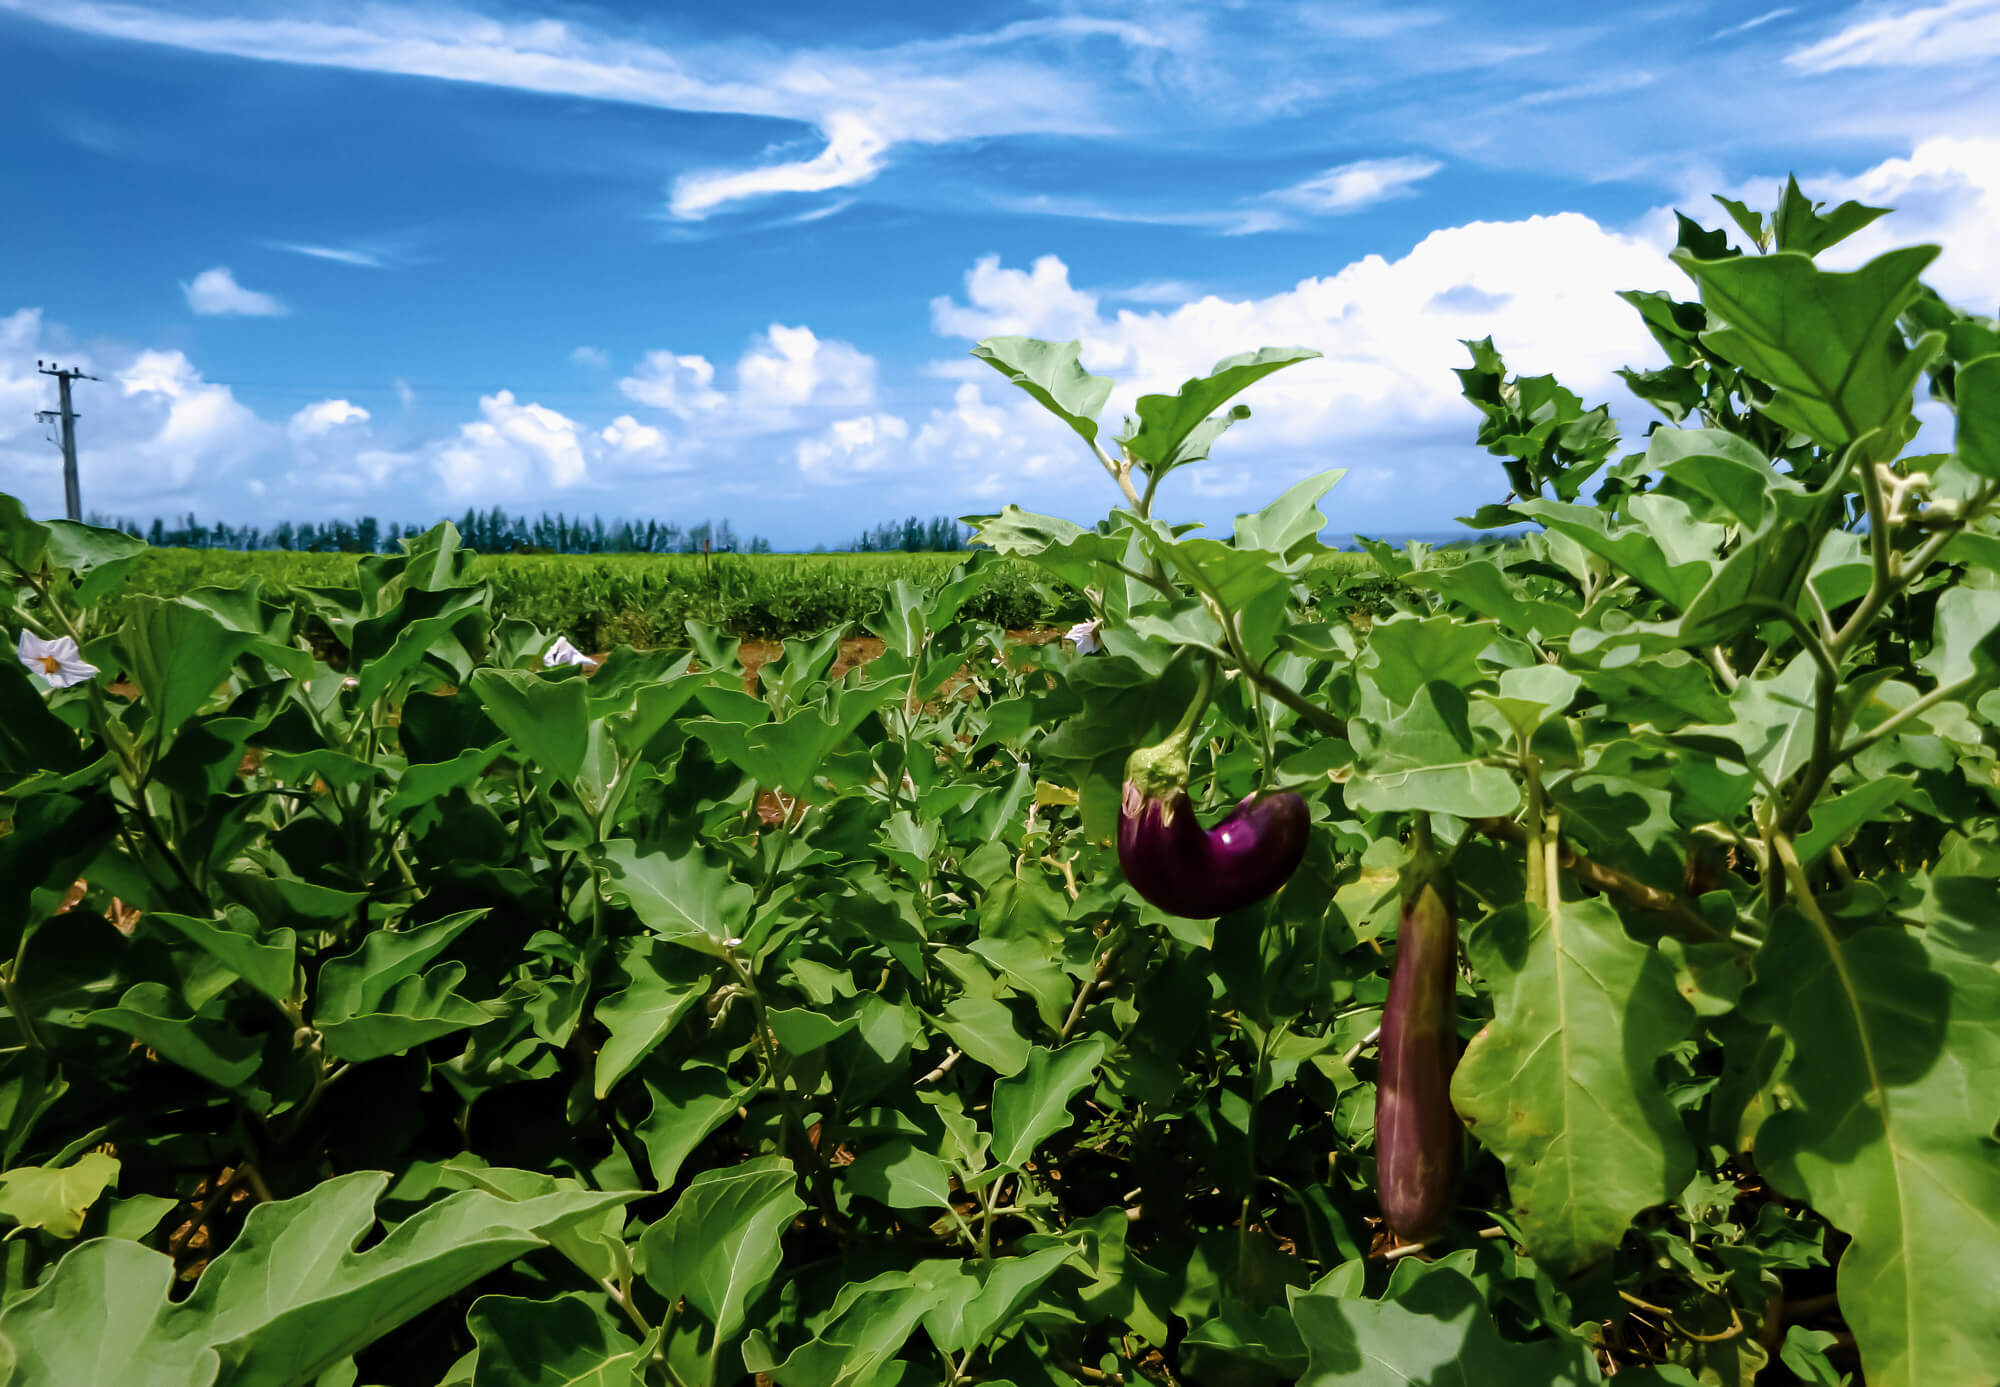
point(1559, 1085)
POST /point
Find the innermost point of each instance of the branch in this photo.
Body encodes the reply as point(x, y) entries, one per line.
point(1611, 881)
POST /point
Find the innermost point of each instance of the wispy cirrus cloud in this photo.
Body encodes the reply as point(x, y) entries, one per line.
point(862, 101)
point(1363, 183)
point(361, 259)
point(1755, 22)
point(1950, 34)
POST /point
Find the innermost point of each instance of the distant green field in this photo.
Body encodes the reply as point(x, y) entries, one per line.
point(603, 600)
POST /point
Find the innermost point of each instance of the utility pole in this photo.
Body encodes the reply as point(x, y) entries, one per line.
point(72, 491)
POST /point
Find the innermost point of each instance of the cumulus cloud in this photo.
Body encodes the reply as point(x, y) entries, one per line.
point(511, 449)
point(596, 358)
point(628, 440)
point(785, 370)
point(681, 385)
point(788, 368)
point(847, 448)
point(1946, 192)
point(321, 419)
point(215, 293)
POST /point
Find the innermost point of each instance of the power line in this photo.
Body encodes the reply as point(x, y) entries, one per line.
point(72, 489)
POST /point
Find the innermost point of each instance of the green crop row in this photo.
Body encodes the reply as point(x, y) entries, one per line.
point(601, 601)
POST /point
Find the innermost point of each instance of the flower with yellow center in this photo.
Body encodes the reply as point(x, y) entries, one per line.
point(58, 661)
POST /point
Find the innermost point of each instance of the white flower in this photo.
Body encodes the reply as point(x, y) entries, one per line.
point(563, 653)
point(1084, 633)
point(57, 661)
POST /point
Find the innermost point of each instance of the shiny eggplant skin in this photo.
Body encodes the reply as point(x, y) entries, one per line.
point(1198, 873)
point(1416, 1131)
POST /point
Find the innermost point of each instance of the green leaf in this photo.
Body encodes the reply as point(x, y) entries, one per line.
point(1826, 341)
point(1049, 372)
point(1979, 416)
point(1033, 1105)
point(1437, 1333)
point(266, 961)
point(178, 655)
point(801, 1030)
point(901, 1175)
point(718, 1245)
point(413, 1012)
point(1966, 639)
point(981, 1297)
point(1428, 758)
point(684, 900)
point(39, 1196)
point(103, 1317)
point(153, 1015)
point(546, 718)
point(661, 988)
point(872, 1321)
point(523, 1342)
point(1167, 421)
point(359, 982)
point(689, 1103)
point(289, 1299)
point(1889, 1134)
point(1560, 1086)
point(99, 558)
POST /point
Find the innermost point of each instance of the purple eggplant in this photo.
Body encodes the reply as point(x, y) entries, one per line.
point(1187, 870)
point(1416, 1131)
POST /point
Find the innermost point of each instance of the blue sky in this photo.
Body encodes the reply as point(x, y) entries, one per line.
point(402, 258)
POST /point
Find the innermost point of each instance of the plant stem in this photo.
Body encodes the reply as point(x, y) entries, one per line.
point(1611, 881)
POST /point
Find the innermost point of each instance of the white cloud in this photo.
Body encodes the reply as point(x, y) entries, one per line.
point(321, 419)
point(861, 101)
point(1543, 287)
point(848, 448)
point(215, 293)
point(1037, 302)
point(512, 449)
point(1351, 187)
point(198, 428)
point(788, 368)
point(682, 385)
point(404, 394)
point(853, 154)
point(1755, 22)
point(1947, 192)
point(596, 358)
point(629, 440)
point(1956, 32)
point(360, 259)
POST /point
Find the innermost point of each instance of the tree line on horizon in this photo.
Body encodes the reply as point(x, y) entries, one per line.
point(494, 531)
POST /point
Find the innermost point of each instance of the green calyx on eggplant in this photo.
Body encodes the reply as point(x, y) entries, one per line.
point(1417, 1135)
point(1196, 872)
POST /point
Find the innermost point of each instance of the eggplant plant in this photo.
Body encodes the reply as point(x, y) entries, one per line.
point(388, 998)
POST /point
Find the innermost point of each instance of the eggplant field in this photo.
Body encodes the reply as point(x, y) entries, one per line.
point(1557, 961)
